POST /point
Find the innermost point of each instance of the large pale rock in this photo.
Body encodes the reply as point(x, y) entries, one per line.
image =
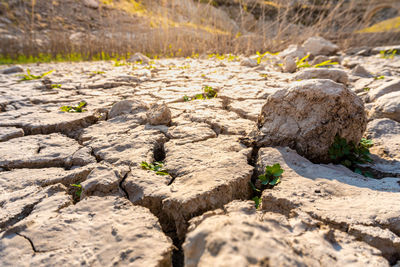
point(240, 236)
point(319, 46)
point(40, 151)
point(363, 207)
point(336, 75)
point(206, 174)
point(106, 231)
point(386, 106)
point(308, 115)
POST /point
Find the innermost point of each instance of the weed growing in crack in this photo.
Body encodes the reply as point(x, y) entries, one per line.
point(208, 93)
point(54, 86)
point(29, 76)
point(270, 178)
point(157, 167)
point(379, 77)
point(77, 109)
point(388, 54)
point(303, 63)
point(350, 155)
point(78, 191)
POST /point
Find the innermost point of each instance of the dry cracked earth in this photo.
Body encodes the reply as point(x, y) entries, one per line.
point(201, 214)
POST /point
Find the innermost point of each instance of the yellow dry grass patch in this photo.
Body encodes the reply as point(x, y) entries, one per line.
point(390, 25)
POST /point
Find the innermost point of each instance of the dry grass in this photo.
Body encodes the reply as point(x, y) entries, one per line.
point(187, 27)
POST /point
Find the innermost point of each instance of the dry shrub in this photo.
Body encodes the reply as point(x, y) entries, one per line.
point(187, 27)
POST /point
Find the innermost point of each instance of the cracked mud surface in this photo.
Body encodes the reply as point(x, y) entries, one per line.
point(127, 216)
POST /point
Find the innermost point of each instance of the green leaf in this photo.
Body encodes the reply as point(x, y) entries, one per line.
point(162, 173)
point(275, 181)
point(262, 177)
point(256, 201)
point(357, 170)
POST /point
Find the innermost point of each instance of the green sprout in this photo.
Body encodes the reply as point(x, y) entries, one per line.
point(29, 76)
point(209, 93)
point(388, 54)
point(350, 155)
point(78, 191)
point(272, 175)
point(78, 109)
point(156, 166)
point(56, 86)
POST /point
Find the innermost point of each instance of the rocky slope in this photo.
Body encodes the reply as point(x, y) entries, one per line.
point(199, 214)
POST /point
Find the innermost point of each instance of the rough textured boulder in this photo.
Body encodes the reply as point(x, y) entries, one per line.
point(308, 115)
point(12, 69)
point(332, 194)
point(106, 231)
point(319, 46)
point(336, 75)
point(240, 236)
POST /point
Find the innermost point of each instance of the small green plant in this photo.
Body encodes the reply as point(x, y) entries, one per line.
point(97, 72)
point(367, 89)
point(56, 86)
point(272, 175)
point(270, 178)
point(29, 76)
point(78, 191)
point(379, 77)
point(303, 63)
point(156, 166)
point(260, 57)
point(388, 54)
point(79, 108)
point(325, 63)
point(118, 63)
point(350, 155)
point(209, 93)
point(256, 200)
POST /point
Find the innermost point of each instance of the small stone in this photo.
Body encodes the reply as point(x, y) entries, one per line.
point(248, 62)
point(13, 69)
point(336, 75)
point(319, 59)
point(139, 57)
point(361, 71)
point(319, 46)
point(91, 4)
point(159, 114)
point(289, 65)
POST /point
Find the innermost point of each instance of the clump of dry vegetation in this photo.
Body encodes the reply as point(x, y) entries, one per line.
point(77, 30)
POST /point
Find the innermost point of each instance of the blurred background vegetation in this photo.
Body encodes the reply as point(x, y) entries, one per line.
point(44, 30)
